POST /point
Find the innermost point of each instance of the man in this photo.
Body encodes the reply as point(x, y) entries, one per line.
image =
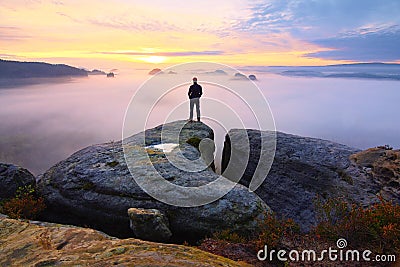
point(195, 92)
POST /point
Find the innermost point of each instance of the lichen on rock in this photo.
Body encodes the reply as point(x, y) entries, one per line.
point(27, 243)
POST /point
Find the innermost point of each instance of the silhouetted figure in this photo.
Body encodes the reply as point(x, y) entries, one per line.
point(195, 92)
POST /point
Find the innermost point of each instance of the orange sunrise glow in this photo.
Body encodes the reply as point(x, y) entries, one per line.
point(135, 32)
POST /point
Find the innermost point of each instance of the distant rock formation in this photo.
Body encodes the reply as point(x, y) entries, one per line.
point(217, 72)
point(240, 76)
point(252, 77)
point(306, 167)
point(96, 72)
point(16, 69)
point(44, 244)
point(154, 71)
point(94, 187)
point(378, 71)
point(110, 75)
point(11, 178)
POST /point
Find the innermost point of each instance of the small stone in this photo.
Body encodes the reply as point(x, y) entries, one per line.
point(149, 224)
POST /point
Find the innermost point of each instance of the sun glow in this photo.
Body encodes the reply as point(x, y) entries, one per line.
point(153, 59)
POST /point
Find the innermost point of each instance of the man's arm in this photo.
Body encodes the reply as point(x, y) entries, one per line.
point(201, 90)
point(190, 91)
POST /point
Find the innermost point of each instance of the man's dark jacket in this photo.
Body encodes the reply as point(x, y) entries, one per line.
point(195, 91)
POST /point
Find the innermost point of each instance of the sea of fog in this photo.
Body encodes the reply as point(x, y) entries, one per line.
point(44, 123)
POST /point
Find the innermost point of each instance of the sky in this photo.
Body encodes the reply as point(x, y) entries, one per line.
point(96, 33)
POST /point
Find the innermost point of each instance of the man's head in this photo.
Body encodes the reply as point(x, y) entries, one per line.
point(195, 79)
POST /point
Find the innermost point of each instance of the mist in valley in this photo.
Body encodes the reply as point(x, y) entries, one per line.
point(44, 123)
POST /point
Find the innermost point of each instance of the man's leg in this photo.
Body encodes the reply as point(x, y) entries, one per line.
point(191, 109)
point(198, 108)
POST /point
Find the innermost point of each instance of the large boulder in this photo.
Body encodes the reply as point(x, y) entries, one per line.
point(94, 186)
point(303, 168)
point(44, 244)
point(13, 177)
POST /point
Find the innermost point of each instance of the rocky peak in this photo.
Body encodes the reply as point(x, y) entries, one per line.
point(94, 186)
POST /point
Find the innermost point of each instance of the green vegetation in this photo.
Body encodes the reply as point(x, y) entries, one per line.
point(229, 236)
point(194, 141)
point(25, 205)
point(88, 185)
point(112, 164)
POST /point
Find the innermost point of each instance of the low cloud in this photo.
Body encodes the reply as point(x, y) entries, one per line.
point(125, 22)
point(168, 54)
point(141, 25)
point(8, 56)
point(9, 33)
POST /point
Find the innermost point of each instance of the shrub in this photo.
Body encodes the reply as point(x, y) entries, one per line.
point(273, 229)
point(329, 214)
point(376, 227)
point(25, 204)
point(229, 236)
